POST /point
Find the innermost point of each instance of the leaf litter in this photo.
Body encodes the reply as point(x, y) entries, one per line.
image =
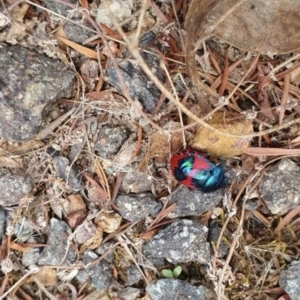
point(248, 67)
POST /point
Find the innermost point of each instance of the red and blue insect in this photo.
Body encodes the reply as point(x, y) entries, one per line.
point(195, 171)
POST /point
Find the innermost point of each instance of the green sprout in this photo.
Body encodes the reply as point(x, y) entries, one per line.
point(172, 274)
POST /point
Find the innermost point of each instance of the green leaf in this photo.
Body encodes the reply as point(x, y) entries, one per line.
point(177, 271)
point(167, 273)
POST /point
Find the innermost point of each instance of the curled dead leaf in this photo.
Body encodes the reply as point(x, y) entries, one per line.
point(222, 146)
point(264, 26)
point(108, 222)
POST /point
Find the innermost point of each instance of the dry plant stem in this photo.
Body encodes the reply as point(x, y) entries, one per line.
point(158, 12)
point(295, 211)
point(288, 71)
point(3, 284)
point(18, 283)
point(285, 63)
point(261, 218)
point(138, 144)
point(51, 127)
point(253, 64)
point(162, 214)
point(233, 208)
point(124, 88)
point(219, 79)
point(160, 102)
point(178, 24)
point(41, 286)
point(176, 97)
point(118, 183)
point(224, 75)
point(103, 177)
point(23, 295)
point(284, 97)
point(216, 65)
point(256, 151)
point(236, 235)
point(124, 242)
point(235, 241)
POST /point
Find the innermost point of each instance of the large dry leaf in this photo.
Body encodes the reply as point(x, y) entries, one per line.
point(255, 25)
point(222, 146)
point(266, 26)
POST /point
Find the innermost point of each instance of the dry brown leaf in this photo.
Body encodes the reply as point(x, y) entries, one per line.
point(25, 147)
point(76, 218)
point(96, 193)
point(76, 210)
point(47, 276)
point(8, 162)
point(266, 26)
point(18, 247)
point(108, 222)
point(222, 146)
point(81, 49)
point(147, 236)
point(101, 95)
point(123, 157)
point(93, 242)
point(76, 203)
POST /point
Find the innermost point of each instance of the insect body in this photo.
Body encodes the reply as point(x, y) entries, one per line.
point(195, 171)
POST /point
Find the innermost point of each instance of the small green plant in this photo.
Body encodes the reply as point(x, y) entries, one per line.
point(172, 273)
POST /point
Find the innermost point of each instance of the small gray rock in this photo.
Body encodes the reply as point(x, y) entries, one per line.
point(108, 250)
point(30, 258)
point(110, 140)
point(133, 275)
point(137, 83)
point(23, 229)
point(100, 272)
point(175, 289)
point(213, 236)
point(135, 207)
point(136, 183)
point(31, 83)
point(75, 32)
point(290, 280)
point(14, 188)
point(57, 245)
point(82, 276)
point(129, 293)
point(69, 174)
point(280, 188)
point(183, 241)
point(60, 8)
point(192, 202)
